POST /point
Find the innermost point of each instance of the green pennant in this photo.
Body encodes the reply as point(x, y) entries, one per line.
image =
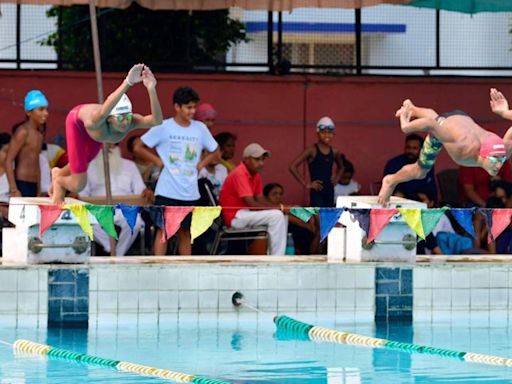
point(430, 218)
point(105, 216)
point(303, 213)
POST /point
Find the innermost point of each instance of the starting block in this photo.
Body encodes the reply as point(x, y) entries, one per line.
point(63, 242)
point(396, 242)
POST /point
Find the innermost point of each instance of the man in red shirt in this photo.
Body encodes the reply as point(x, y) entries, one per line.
point(243, 188)
point(475, 184)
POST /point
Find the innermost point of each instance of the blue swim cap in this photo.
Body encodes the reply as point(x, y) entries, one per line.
point(35, 99)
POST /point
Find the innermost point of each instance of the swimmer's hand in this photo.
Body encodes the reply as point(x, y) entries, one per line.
point(135, 74)
point(499, 104)
point(317, 185)
point(148, 79)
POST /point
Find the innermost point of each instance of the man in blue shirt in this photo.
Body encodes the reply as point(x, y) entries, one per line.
point(410, 189)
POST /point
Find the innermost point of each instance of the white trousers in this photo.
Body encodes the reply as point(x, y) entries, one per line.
point(275, 221)
point(126, 238)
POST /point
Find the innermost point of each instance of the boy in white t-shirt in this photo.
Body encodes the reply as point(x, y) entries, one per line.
point(179, 142)
point(346, 185)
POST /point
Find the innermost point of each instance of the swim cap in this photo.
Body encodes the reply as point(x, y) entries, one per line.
point(35, 99)
point(325, 123)
point(205, 111)
point(123, 106)
point(492, 145)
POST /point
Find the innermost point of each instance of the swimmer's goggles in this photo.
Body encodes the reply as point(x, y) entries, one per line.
point(122, 116)
point(323, 128)
point(496, 159)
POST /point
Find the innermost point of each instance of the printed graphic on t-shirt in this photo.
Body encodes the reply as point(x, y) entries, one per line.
point(182, 158)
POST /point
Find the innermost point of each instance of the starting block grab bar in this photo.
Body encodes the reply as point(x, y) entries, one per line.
point(79, 245)
point(408, 241)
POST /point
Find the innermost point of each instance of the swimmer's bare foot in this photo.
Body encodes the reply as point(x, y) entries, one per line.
point(56, 191)
point(405, 114)
point(385, 191)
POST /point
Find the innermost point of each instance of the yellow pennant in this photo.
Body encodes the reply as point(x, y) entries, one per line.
point(202, 219)
point(412, 217)
point(82, 217)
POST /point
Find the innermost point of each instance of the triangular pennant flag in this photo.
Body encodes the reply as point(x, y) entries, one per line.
point(412, 216)
point(130, 213)
point(105, 216)
point(464, 217)
point(202, 219)
point(363, 217)
point(173, 217)
point(303, 213)
point(82, 217)
point(328, 219)
point(49, 214)
point(500, 221)
point(156, 214)
point(379, 218)
point(430, 218)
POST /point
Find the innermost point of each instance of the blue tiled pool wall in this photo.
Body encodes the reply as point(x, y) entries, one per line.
point(93, 294)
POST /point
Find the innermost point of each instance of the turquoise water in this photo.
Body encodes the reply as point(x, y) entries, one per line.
point(249, 352)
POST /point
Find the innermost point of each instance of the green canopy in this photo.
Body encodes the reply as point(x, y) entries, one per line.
point(465, 6)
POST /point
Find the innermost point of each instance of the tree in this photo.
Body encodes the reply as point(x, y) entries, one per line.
point(164, 40)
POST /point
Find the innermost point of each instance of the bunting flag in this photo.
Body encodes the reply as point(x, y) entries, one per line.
point(202, 219)
point(412, 216)
point(464, 217)
point(130, 213)
point(303, 213)
point(487, 214)
point(328, 219)
point(156, 213)
point(379, 218)
point(500, 221)
point(105, 216)
point(173, 216)
point(363, 218)
point(82, 217)
point(430, 218)
point(49, 214)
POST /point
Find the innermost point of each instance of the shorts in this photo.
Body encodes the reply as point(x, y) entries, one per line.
point(428, 154)
point(81, 147)
point(168, 202)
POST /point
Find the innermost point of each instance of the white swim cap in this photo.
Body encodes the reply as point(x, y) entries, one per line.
point(123, 106)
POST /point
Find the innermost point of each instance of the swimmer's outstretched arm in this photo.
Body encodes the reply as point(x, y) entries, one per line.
point(156, 117)
point(499, 104)
point(96, 119)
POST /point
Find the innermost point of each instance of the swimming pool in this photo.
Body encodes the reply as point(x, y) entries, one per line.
point(248, 351)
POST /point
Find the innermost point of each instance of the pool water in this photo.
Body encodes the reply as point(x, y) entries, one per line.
point(249, 352)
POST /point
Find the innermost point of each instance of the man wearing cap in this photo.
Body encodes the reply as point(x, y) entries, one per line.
point(466, 142)
point(88, 126)
point(242, 201)
point(25, 148)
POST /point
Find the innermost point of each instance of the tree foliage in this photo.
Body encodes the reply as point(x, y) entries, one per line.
point(164, 40)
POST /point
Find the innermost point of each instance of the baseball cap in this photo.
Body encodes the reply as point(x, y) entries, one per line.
point(325, 123)
point(35, 99)
point(124, 105)
point(205, 111)
point(255, 150)
point(492, 145)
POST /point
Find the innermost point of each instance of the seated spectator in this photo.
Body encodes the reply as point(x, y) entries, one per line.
point(243, 203)
point(409, 189)
point(227, 143)
point(306, 236)
point(206, 114)
point(148, 163)
point(346, 185)
point(4, 184)
point(125, 180)
point(216, 173)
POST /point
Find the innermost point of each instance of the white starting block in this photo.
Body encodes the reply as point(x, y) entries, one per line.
point(396, 242)
point(63, 242)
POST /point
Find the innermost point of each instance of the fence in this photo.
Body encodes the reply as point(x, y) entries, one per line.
point(381, 40)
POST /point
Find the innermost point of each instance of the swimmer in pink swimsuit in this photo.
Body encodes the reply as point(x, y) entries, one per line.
point(88, 126)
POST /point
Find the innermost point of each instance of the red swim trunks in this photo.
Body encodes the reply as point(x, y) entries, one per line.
point(81, 147)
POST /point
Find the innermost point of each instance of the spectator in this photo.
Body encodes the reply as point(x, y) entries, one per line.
point(44, 169)
point(206, 114)
point(320, 158)
point(4, 183)
point(227, 142)
point(306, 236)
point(179, 142)
point(25, 147)
point(147, 162)
point(346, 185)
point(410, 189)
point(125, 179)
point(243, 191)
point(475, 184)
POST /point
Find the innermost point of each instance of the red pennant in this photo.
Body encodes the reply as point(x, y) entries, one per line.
point(49, 214)
point(379, 218)
point(173, 216)
point(500, 221)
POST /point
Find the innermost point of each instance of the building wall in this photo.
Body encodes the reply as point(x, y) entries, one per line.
point(279, 112)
